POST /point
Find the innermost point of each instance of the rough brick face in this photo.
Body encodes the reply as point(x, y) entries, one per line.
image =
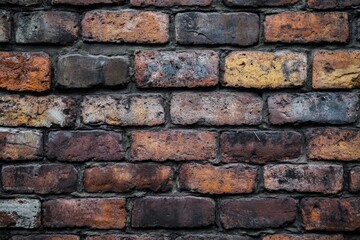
point(20, 213)
point(328, 4)
point(300, 27)
point(128, 177)
point(336, 69)
point(331, 108)
point(21, 2)
point(32, 111)
point(20, 144)
point(260, 146)
point(173, 212)
point(126, 26)
point(127, 237)
point(240, 29)
point(176, 69)
point(42, 179)
point(78, 146)
point(334, 144)
point(173, 145)
point(123, 110)
point(46, 27)
point(354, 184)
point(304, 178)
point(87, 2)
point(213, 237)
point(265, 70)
point(259, 3)
point(95, 213)
point(5, 26)
point(303, 237)
point(47, 237)
point(217, 180)
point(216, 109)
point(257, 213)
point(25, 71)
point(331, 214)
point(170, 3)
point(79, 71)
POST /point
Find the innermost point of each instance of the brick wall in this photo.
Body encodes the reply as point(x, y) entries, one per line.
point(179, 119)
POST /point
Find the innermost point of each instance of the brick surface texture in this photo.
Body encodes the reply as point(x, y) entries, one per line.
point(179, 119)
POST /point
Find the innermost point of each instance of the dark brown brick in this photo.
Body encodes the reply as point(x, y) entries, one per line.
point(260, 146)
point(335, 4)
point(21, 2)
point(257, 213)
point(87, 2)
point(176, 69)
point(217, 180)
point(303, 237)
point(41, 179)
point(128, 177)
point(216, 108)
point(77, 146)
point(334, 144)
point(5, 26)
point(301, 27)
point(95, 213)
point(354, 184)
point(259, 3)
point(212, 237)
point(46, 27)
point(304, 178)
point(173, 145)
point(47, 237)
point(173, 212)
point(17, 144)
point(128, 237)
point(169, 3)
point(85, 71)
point(20, 213)
point(331, 214)
point(240, 29)
point(330, 108)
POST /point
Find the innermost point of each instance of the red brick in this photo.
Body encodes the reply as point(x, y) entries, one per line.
point(260, 146)
point(87, 2)
point(128, 177)
point(46, 237)
point(217, 108)
point(335, 4)
point(42, 179)
point(37, 111)
point(169, 3)
point(176, 69)
point(173, 145)
point(331, 214)
point(334, 144)
point(304, 178)
point(354, 179)
point(260, 3)
point(218, 180)
point(303, 237)
point(78, 146)
point(173, 212)
point(25, 71)
point(126, 26)
point(300, 27)
point(95, 213)
point(213, 237)
point(330, 108)
point(17, 144)
point(257, 213)
point(55, 27)
point(241, 29)
point(127, 237)
point(123, 110)
point(5, 26)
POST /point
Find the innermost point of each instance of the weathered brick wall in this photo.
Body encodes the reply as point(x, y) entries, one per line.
point(179, 119)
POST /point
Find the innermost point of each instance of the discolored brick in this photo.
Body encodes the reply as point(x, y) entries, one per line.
point(176, 69)
point(331, 214)
point(218, 180)
point(20, 213)
point(41, 179)
point(85, 71)
point(354, 178)
point(241, 29)
point(94, 213)
point(17, 144)
point(55, 27)
point(127, 237)
point(21, 2)
point(334, 144)
point(301, 27)
point(46, 237)
point(259, 3)
point(173, 212)
point(37, 111)
point(78, 146)
point(302, 237)
point(125, 26)
point(330, 108)
point(265, 70)
point(260, 146)
point(87, 2)
point(123, 110)
point(336, 69)
point(25, 71)
point(5, 26)
point(304, 178)
point(173, 145)
point(169, 3)
point(335, 4)
point(220, 108)
point(128, 177)
point(257, 213)
point(212, 237)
